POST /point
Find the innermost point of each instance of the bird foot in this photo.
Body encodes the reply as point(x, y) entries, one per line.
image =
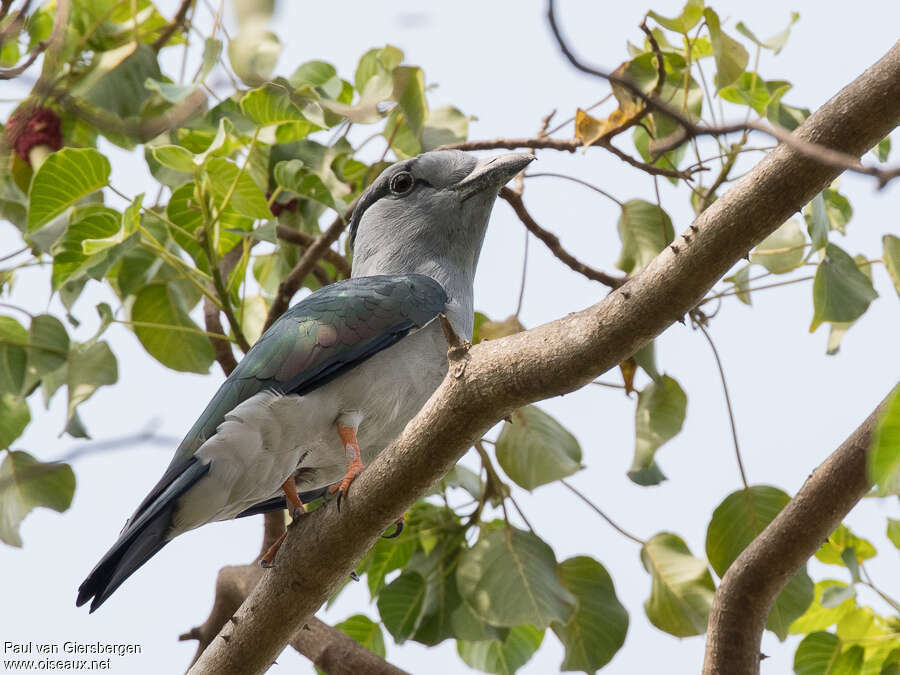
point(266, 562)
point(399, 523)
point(353, 470)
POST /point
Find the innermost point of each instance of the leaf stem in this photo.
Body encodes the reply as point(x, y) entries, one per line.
point(610, 521)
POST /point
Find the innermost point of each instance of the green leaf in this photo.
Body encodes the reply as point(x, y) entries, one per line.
point(13, 356)
point(835, 596)
point(365, 631)
point(14, 417)
point(837, 329)
point(776, 42)
point(893, 531)
point(175, 340)
point(175, 157)
point(409, 92)
point(212, 50)
point(173, 93)
point(509, 578)
point(376, 62)
point(817, 224)
point(819, 617)
point(400, 605)
point(731, 57)
point(736, 522)
point(48, 344)
point(270, 104)
point(884, 452)
point(91, 366)
point(386, 556)
point(70, 262)
point(838, 208)
point(682, 23)
point(782, 250)
point(645, 230)
point(253, 53)
point(597, 629)
point(115, 81)
point(841, 292)
point(818, 654)
point(504, 658)
point(891, 256)
point(682, 587)
point(26, 483)
point(659, 416)
point(753, 91)
point(841, 540)
point(741, 281)
point(534, 449)
point(65, 177)
point(445, 125)
point(292, 176)
point(883, 149)
point(246, 198)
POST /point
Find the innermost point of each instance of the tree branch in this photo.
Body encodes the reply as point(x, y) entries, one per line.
point(566, 145)
point(745, 596)
point(305, 265)
point(553, 243)
point(305, 240)
point(818, 151)
point(177, 22)
point(490, 380)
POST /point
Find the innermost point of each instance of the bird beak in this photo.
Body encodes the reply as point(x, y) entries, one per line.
point(492, 173)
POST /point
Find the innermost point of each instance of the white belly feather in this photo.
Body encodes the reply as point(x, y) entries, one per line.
point(267, 437)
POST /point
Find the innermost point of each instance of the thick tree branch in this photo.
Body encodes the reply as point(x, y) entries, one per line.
point(745, 596)
point(490, 380)
point(553, 243)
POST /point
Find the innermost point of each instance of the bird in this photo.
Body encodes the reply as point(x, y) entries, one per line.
point(336, 378)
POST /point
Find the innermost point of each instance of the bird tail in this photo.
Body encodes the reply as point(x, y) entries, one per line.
point(143, 536)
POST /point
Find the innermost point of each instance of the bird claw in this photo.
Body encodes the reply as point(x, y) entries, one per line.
point(297, 513)
point(341, 488)
point(399, 523)
point(266, 564)
point(354, 575)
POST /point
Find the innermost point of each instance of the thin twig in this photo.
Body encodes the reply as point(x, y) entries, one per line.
point(610, 521)
point(734, 434)
point(299, 238)
point(524, 276)
point(552, 174)
point(690, 129)
point(553, 243)
point(564, 145)
point(177, 22)
point(304, 266)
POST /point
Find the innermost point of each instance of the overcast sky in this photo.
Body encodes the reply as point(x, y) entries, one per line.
point(496, 60)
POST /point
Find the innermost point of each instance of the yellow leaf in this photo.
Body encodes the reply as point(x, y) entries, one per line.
point(589, 129)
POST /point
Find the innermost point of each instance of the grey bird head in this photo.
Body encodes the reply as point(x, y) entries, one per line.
point(428, 215)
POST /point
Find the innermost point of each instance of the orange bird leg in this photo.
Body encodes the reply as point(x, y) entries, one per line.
point(354, 461)
point(266, 560)
point(290, 490)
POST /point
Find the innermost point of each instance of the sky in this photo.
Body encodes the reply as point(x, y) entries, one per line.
point(496, 60)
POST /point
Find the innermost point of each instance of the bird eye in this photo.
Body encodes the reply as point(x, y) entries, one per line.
point(402, 183)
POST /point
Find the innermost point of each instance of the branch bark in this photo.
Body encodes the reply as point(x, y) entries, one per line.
point(553, 243)
point(745, 596)
point(490, 380)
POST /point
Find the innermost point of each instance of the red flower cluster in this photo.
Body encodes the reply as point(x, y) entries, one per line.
point(31, 126)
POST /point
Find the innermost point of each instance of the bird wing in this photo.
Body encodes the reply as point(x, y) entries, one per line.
point(322, 336)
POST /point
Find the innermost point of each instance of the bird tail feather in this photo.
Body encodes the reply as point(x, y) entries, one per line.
point(143, 536)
